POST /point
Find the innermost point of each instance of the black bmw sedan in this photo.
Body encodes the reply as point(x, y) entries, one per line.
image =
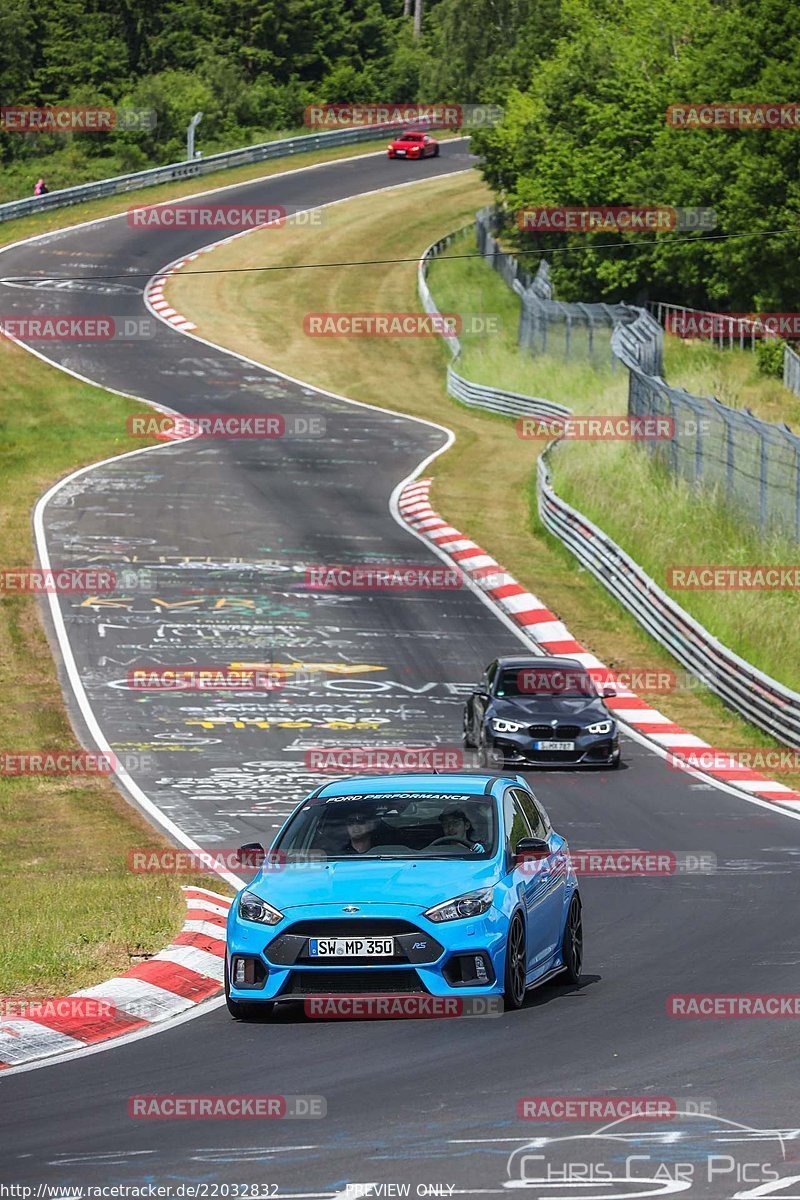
point(541, 712)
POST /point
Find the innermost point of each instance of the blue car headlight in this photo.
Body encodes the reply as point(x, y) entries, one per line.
point(471, 904)
point(253, 908)
point(501, 726)
point(600, 727)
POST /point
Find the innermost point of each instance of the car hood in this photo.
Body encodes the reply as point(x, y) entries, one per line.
point(421, 883)
point(399, 144)
point(540, 710)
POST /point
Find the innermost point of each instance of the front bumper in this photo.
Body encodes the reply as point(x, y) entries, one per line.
point(436, 959)
point(591, 750)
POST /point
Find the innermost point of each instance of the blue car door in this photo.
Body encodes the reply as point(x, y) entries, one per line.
point(542, 882)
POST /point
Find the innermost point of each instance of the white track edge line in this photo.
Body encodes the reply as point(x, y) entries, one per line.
point(636, 736)
point(226, 187)
point(450, 439)
point(199, 1010)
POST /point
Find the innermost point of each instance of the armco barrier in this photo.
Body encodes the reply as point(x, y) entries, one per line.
point(761, 700)
point(191, 170)
point(478, 395)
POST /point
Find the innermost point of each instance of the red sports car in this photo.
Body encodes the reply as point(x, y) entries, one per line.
point(414, 145)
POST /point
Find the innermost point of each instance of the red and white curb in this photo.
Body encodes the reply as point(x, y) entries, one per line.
point(156, 301)
point(180, 976)
point(545, 629)
point(158, 304)
point(154, 291)
point(154, 295)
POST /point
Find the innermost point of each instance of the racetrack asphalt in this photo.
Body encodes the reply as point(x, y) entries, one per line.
point(226, 530)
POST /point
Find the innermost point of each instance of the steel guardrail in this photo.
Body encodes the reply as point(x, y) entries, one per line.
point(763, 701)
point(261, 152)
point(466, 391)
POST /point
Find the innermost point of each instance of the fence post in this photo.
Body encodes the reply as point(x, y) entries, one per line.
point(698, 447)
point(672, 412)
point(730, 451)
point(756, 425)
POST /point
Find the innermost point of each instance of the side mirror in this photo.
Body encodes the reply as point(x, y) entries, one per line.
point(531, 849)
point(251, 856)
point(481, 694)
point(609, 691)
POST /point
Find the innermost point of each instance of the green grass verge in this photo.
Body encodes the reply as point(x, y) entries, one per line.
point(469, 285)
point(660, 520)
point(730, 375)
point(71, 165)
point(73, 914)
point(261, 316)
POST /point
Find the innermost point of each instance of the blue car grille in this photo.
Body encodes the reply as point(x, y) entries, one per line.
point(351, 983)
point(412, 945)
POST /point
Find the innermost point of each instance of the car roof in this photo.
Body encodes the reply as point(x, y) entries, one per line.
point(460, 783)
point(541, 660)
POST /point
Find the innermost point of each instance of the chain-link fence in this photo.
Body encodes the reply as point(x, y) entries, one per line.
point(725, 332)
point(488, 222)
point(755, 465)
point(546, 325)
point(791, 370)
point(466, 391)
point(719, 329)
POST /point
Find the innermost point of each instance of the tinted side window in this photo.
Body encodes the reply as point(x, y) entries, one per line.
point(535, 817)
point(491, 671)
point(517, 826)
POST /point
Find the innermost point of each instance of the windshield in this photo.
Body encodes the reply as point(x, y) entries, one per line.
point(401, 825)
point(411, 137)
point(545, 681)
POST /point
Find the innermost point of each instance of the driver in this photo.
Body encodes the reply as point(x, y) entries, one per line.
point(364, 831)
point(457, 825)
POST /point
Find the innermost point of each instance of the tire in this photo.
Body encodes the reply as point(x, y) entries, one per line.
point(515, 970)
point(468, 742)
point(617, 763)
point(435, 151)
point(572, 943)
point(240, 1010)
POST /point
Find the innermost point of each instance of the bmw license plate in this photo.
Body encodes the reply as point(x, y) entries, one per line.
point(382, 947)
point(554, 745)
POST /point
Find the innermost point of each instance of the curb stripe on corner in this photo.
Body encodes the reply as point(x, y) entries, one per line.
point(181, 975)
point(539, 623)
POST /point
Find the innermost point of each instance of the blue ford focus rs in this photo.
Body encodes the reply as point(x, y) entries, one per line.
point(441, 885)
